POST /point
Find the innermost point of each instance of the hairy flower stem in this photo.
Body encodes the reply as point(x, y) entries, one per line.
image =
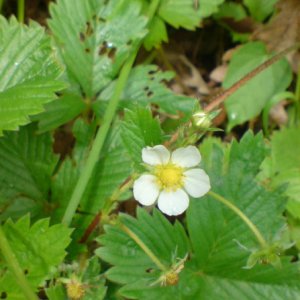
point(15, 268)
point(237, 211)
point(150, 254)
point(218, 99)
point(103, 131)
point(21, 11)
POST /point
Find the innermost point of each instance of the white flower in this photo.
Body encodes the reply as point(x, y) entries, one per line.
point(172, 178)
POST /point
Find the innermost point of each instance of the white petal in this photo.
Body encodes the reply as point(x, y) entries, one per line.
point(145, 189)
point(196, 182)
point(156, 155)
point(173, 203)
point(186, 157)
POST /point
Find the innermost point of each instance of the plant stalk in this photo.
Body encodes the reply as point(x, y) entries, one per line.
point(103, 131)
point(150, 254)
point(15, 268)
point(1, 5)
point(21, 11)
point(218, 99)
point(237, 211)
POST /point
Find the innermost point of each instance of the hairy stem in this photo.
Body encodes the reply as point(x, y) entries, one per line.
point(218, 99)
point(102, 132)
point(150, 254)
point(15, 268)
point(237, 211)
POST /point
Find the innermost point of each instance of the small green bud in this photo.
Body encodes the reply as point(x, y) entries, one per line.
point(202, 120)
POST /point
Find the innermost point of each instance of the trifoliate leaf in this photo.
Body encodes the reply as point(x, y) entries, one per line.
point(96, 38)
point(214, 266)
point(139, 130)
point(26, 166)
point(244, 104)
point(216, 232)
point(260, 9)
point(234, 179)
point(29, 73)
point(38, 248)
point(145, 86)
point(131, 264)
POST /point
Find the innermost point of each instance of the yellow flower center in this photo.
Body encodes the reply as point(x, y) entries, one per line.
point(169, 176)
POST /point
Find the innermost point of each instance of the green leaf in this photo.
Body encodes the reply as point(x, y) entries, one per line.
point(213, 228)
point(60, 112)
point(139, 130)
point(244, 104)
point(29, 73)
point(157, 33)
point(260, 9)
point(231, 10)
point(88, 274)
point(94, 280)
point(112, 169)
point(168, 242)
point(283, 145)
point(263, 283)
point(179, 13)
point(145, 86)
point(219, 275)
point(68, 173)
point(38, 249)
point(26, 166)
point(283, 166)
point(110, 173)
point(56, 292)
point(233, 177)
point(88, 33)
point(187, 13)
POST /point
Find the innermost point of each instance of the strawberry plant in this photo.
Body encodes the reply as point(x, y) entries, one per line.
point(114, 185)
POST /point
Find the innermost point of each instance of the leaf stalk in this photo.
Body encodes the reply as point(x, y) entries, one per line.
point(15, 268)
point(238, 212)
point(150, 254)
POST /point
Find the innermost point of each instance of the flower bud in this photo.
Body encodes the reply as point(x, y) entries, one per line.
point(201, 119)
